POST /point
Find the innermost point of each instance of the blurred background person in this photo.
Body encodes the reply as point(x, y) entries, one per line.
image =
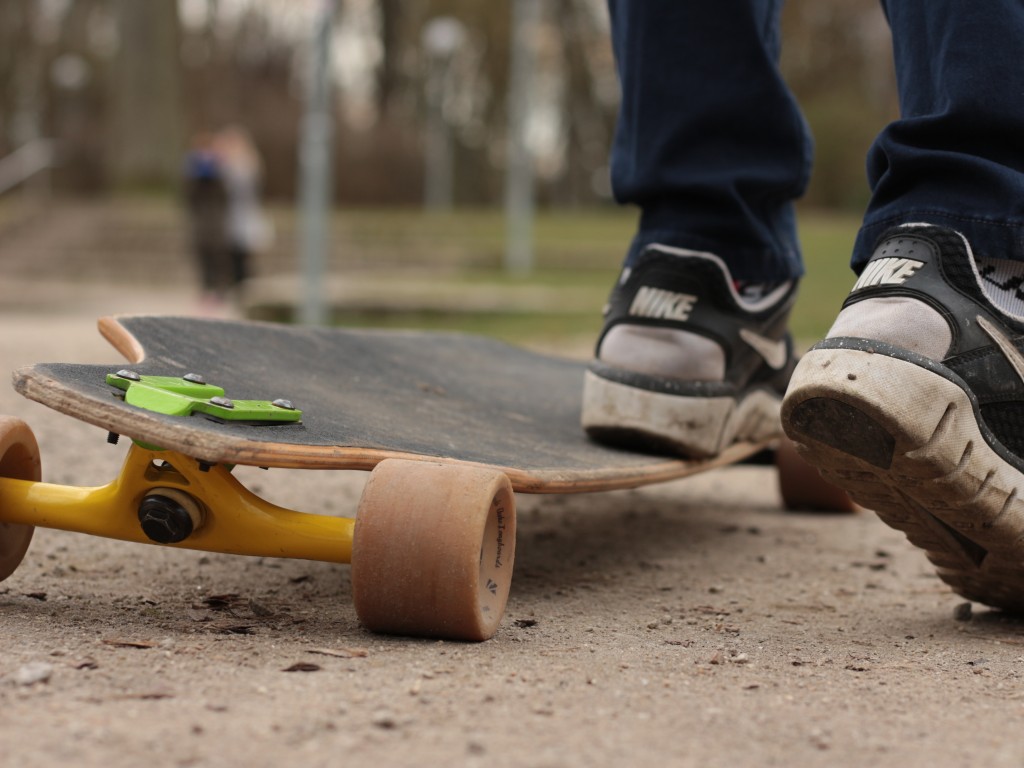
point(206, 200)
point(247, 228)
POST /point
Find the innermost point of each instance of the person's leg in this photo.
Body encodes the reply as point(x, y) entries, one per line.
point(695, 353)
point(710, 143)
point(240, 261)
point(915, 401)
point(954, 157)
point(207, 259)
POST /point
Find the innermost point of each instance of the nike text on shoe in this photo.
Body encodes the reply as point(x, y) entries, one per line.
point(914, 403)
point(685, 365)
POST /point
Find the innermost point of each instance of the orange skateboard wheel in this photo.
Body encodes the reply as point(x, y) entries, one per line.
point(433, 550)
point(19, 459)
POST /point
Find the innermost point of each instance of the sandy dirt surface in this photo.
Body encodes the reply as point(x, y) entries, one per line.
point(692, 623)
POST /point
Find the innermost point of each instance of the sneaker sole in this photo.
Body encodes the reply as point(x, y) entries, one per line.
point(905, 442)
point(694, 427)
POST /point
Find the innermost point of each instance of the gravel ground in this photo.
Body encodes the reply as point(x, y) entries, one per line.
point(692, 623)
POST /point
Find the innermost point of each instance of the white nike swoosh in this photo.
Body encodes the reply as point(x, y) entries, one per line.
point(1009, 350)
point(773, 352)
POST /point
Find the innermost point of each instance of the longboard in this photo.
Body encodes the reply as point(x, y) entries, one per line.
point(365, 395)
point(450, 425)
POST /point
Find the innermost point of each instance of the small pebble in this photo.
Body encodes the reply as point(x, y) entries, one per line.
point(384, 720)
point(963, 612)
point(35, 672)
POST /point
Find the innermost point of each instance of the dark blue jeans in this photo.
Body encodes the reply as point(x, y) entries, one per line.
point(712, 147)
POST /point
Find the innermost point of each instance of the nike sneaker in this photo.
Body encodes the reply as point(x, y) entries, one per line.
point(689, 361)
point(914, 403)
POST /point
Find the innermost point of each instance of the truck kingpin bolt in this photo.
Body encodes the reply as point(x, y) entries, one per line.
point(165, 519)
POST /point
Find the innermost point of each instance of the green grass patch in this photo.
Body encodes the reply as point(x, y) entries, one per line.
point(536, 328)
point(827, 241)
point(578, 251)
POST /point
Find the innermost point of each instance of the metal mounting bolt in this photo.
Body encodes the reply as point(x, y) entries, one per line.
point(283, 404)
point(223, 402)
point(165, 519)
point(129, 375)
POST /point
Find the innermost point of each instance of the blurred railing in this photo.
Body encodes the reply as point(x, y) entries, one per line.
point(27, 167)
point(26, 163)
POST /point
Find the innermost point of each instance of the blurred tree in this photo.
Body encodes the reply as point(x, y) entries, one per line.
point(21, 74)
point(390, 76)
point(145, 129)
point(241, 70)
point(837, 58)
point(120, 82)
point(573, 109)
point(52, 64)
point(78, 94)
point(588, 105)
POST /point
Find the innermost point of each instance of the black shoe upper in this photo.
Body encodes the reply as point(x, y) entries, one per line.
point(692, 292)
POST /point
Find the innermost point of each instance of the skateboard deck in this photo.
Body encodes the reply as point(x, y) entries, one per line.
point(364, 395)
